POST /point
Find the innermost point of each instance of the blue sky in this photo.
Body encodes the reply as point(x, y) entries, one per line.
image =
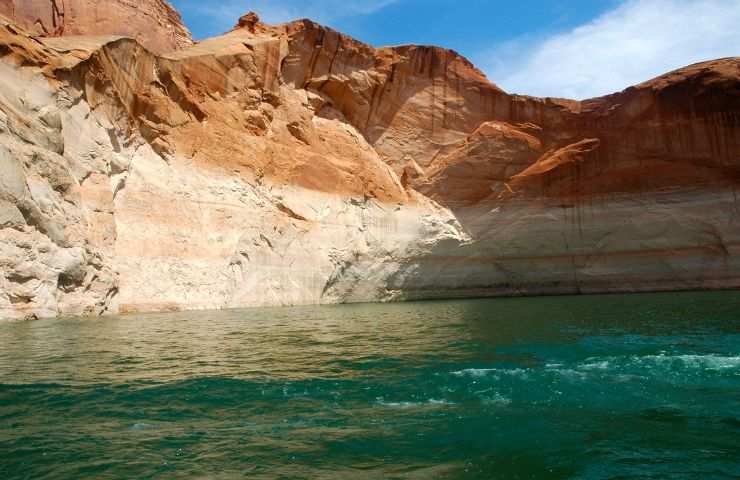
point(569, 48)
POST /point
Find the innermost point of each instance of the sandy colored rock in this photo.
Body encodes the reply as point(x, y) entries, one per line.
point(291, 164)
point(154, 23)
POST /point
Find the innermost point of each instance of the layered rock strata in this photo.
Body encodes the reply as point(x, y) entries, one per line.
point(154, 23)
point(285, 165)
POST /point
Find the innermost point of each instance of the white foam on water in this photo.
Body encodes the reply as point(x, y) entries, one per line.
point(570, 373)
point(432, 402)
point(565, 372)
point(475, 372)
point(709, 362)
point(439, 402)
point(497, 400)
point(595, 364)
point(518, 372)
point(603, 365)
point(624, 378)
point(496, 373)
point(713, 361)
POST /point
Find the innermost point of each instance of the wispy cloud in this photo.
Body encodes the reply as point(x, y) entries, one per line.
point(636, 41)
point(223, 14)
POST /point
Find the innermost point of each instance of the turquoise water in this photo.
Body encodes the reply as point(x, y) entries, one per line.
point(606, 387)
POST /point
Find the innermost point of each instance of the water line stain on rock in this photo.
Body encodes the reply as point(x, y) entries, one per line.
point(291, 164)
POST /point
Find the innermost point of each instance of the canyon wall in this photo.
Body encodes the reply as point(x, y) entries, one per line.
point(290, 164)
point(154, 23)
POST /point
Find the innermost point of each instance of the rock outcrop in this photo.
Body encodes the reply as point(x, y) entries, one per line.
point(154, 23)
point(290, 164)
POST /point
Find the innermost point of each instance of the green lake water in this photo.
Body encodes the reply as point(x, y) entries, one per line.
point(594, 387)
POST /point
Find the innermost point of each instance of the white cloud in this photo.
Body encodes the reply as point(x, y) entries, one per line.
point(637, 41)
point(224, 14)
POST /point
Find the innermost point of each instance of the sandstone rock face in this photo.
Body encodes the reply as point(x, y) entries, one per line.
point(285, 165)
point(141, 183)
point(154, 23)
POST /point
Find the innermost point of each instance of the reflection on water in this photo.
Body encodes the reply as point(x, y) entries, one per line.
point(572, 387)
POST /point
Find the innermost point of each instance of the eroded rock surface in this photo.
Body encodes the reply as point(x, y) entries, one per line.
point(154, 23)
point(290, 164)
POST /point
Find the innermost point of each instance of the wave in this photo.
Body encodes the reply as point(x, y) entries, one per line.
point(619, 368)
point(496, 399)
point(432, 402)
point(710, 362)
point(483, 372)
point(594, 364)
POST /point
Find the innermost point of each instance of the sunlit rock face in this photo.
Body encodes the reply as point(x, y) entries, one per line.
point(285, 165)
point(154, 23)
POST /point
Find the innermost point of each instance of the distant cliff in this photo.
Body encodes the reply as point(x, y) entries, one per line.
point(290, 164)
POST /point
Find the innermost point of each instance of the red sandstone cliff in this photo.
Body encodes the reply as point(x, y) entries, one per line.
point(292, 164)
point(429, 111)
point(154, 23)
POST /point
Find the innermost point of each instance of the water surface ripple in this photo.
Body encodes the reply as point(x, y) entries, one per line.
point(604, 387)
